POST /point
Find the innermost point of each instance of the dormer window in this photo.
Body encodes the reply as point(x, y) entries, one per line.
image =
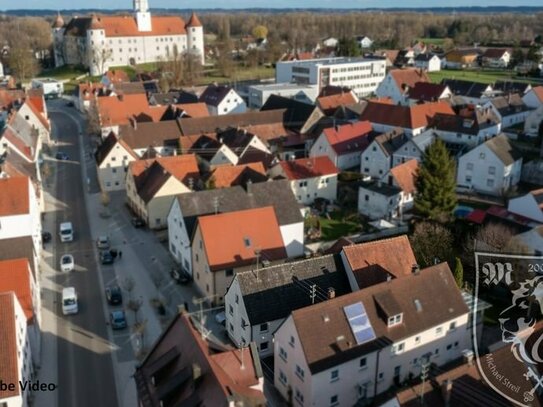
point(395, 320)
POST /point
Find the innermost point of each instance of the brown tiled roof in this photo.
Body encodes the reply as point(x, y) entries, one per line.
point(391, 141)
point(349, 138)
point(166, 133)
point(374, 262)
point(409, 117)
point(308, 167)
point(15, 276)
point(126, 26)
point(425, 91)
point(9, 96)
point(409, 77)
point(230, 239)
point(14, 199)
point(225, 176)
point(108, 144)
point(117, 110)
point(405, 175)
point(332, 102)
point(320, 325)
point(509, 105)
point(9, 370)
point(190, 370)
point(17, 248)
point(470, 120)
point(503, 149)
point(494, 53)
point(117, 75)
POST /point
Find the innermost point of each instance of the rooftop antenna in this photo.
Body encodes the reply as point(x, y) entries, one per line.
point(216, 204)
point(258, 251)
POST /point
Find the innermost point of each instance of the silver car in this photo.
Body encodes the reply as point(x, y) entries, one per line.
point(67, 262)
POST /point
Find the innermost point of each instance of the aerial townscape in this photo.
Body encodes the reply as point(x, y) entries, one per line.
point(247, 208)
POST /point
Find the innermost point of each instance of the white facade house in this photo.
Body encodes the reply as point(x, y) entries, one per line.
point(186, 208)
point(221, 99)
point(359, 74)
point(113, 158)
point(492, 167)
point(36, 119)
point(533, 121)
point(249, 314)
point(534, 97)
point(51, 87)
point(322, 357)
point(528, 206)
point(364, 42)
point(413, 148)
point(236, 146)
point(330, 42)
point(15, 346)
point(376, 160)
point(378, 200)
point(496, 58)
point(259, 94)
point(100, 42)
point(343, 144)
point(310, 178)
point(511, 110)
point(397, 83)
point(428, 62)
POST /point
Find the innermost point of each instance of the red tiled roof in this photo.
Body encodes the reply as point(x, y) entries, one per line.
point(194, 21)
point(117, 110)
point(194, 109)
point(332, 102)
point(9, 371)
point(86, 89)
point(372, 262)
point(230, 239)
point(37, 101)
point(226, 176)
point(117, 75)
point(179, 166)
point(409, 117)
point(38, 114)
point(349, 137)
point(405, 175)
point(477, 216)
point(15, 276)
point(14, 199)
point(308, 167)
point(126, 26)
point(408, 77)
point(494, 53)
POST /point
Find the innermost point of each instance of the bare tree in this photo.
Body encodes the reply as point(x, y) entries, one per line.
point(93, 119)
point(129, 284)
point(431, 242)
point(100, 56)
point(22, 61)
point(134, 305)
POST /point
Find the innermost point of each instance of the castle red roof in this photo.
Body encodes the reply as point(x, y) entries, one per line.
point(194, 21)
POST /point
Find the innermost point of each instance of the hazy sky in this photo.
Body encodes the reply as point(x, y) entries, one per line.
point(202, 4)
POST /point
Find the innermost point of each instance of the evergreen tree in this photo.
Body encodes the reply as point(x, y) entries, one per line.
point(436, 183)
point(459, 273)
point(348, 47)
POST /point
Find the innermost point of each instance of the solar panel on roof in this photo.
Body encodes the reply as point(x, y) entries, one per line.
point(359, 323)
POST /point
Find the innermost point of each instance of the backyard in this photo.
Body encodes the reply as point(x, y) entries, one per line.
point(335, 225)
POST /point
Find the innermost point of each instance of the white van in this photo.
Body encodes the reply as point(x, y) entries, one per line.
point(66, 232)
point(69, 301)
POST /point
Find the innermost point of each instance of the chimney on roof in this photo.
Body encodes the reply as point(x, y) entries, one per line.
point(468, 357)
point(249, 187)
point(331, 293)
point(120, 96)
point(415, 269)
point(446, 390)
point(325, 318)
point(196, 371)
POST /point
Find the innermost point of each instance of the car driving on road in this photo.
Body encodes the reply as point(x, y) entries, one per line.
point(106, 257)
point(102, 242)
point(117, 319)
point(114, 295)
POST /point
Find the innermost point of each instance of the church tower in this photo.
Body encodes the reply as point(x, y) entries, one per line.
point(58, 40)
point(142, 14)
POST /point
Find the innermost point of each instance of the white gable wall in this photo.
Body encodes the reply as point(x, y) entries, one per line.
point(374, 161)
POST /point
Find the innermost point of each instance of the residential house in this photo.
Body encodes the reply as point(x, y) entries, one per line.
point(152, 185)
point(298, 117)
point(345, 351)
point(222, 99)
point(471, 126)
point(404, 176)
point(259, 94)
point(249, 314)
point(533, 121)
point(413, 148)
point(510, 109)
point(330, 103)
point(187, 208)
point(34, 112)
point(20, 234)
point(238, 146)
point(496, 58)
point(224, 244)
point(397, 83)
point(378, 200)
point(15, 352)
point(376, 159)
point(86, 92)
point(330, 42)
point(225, 176)
point(173, 97)
point(509, 87)
point(427, 92)
point(428, 62)
point(492, 167)
point(18, 135)
point(16, 276)
point(187, 367)
point(470, 92)
point(390, 56)
point(534, 97)
point(412, 120)
point(363, 41)
point(461, 58)
point(529, 206)
point(162, 138)
point(405, 58)
point(309, 178)
point(343, 144)
point(112, 159)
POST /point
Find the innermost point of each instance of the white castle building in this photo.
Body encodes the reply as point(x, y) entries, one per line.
point(101, 42)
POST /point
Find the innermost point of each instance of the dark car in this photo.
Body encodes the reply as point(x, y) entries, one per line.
point(62, 156)
point(70, 104)
point(138, 222)
point(46, 237)
point(114, 295)
point(106, 257)
point(180, 276)
point(117, 319)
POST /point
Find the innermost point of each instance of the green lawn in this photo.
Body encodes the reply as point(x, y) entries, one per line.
point(339, 225)
point(238, 74)
point(484, 76)
point(63, 72)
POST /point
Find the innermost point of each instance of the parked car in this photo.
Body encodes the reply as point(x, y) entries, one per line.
point(114, 295)
point(138, 222)
point(67, 262)
point(102, 242)
point(220, 318)
point(117, 319)
point(70, 104)
point(106, 257)
point(180, 276)
point(61, 156)
point(46, 237)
